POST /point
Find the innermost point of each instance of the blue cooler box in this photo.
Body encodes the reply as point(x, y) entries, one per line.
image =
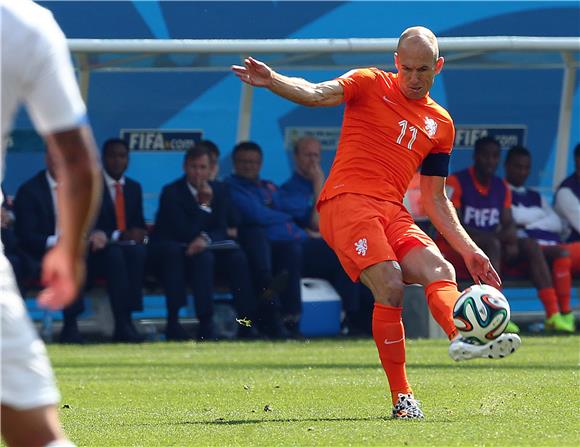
point(321, 308)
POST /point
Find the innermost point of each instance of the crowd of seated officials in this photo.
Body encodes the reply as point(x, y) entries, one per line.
point(257, 238)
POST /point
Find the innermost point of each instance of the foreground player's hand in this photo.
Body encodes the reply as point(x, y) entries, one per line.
point(61, 276)
point(480, 268)
point(254, 72)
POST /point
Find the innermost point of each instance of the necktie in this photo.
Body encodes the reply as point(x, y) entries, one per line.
point(120, 207)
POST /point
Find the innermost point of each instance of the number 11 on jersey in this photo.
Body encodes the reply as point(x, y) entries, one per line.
point(403, 124)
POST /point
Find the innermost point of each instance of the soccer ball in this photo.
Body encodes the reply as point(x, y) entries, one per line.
point(481, 313)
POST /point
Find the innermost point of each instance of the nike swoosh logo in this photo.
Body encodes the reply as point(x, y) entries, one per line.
point(389, 342)
point(388, 101)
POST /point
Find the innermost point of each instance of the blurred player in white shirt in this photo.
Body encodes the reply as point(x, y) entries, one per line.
point(36, 71)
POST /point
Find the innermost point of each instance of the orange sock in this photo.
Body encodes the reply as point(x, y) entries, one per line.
point(562, 282)
point(389, 336)
point(549, 300)
point(441, 297)
point(574, 250)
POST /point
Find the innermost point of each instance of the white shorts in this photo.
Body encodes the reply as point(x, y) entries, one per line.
point(26, 375)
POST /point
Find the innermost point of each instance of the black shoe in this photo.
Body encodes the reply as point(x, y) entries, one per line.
point(276, 330)
point(127, 337)
point(176, 332)
point(127, 333)
point(70, 334)
point(348, 329)
point(133, 330)
point(72, 337)
point(205, 331)
point(293, 328)
point(249, 333)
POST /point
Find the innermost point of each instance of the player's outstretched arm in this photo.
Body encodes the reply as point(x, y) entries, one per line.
point(298, 90)
point(79, 187)
point(444, 217)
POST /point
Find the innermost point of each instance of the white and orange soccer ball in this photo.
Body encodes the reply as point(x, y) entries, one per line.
point(481, 313)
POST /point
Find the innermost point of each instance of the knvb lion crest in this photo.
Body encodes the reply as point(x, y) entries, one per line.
point(361, 246)
point(430, 126)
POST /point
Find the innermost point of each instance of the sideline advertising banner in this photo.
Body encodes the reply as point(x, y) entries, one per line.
point(157, 140)
point(508, 135)
point(466, 135)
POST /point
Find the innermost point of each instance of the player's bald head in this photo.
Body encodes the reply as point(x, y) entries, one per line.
point(419, 39)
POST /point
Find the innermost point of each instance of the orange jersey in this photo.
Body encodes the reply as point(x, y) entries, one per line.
point(385, 136)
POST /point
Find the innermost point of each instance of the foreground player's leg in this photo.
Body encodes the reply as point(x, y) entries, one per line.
point(389, 335)
point(28, 413)
point(441, 297)
point(502, 346)
point(385, 282)
point(33, 427)
point(426, 266)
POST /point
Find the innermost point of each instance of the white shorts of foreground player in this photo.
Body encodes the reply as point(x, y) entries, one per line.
point(27, 378)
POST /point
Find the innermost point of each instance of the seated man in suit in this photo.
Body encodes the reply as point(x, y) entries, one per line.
point(483, 202)
point(233, 217)
point(20, 263)
point(37, 230)
point(271, 239)
point(119, 238)
point(192, 216)
point(300, 194)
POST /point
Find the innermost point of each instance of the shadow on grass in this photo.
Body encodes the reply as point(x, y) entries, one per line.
point(224, 366)
point(235, 422)
point(285, 420)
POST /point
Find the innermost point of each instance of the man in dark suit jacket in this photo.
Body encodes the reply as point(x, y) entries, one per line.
point(36, 230)
point(192, 216)
point(119, 239)
point(20, 262)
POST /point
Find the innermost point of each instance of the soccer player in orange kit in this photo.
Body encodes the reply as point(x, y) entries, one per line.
point(391, 126)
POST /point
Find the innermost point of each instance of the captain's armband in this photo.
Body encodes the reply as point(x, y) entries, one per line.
point(436, 165)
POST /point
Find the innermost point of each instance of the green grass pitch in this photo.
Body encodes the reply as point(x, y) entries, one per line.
point(321, 392)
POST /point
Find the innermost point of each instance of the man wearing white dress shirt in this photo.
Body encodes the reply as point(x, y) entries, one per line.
point(118, 241)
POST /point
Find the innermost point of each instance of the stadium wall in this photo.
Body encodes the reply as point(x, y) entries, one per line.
point(208, 102)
